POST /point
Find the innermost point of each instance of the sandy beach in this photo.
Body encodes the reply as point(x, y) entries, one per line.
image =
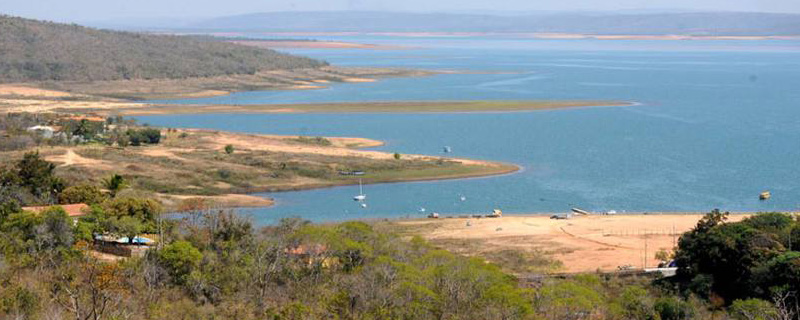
point(582, 244)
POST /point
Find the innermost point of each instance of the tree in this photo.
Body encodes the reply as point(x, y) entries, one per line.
point(180, 258)
point(85, 193)
point(672, 308)
point(126, 226)
point(753, 309)
point(115, 184)
point(56, 228)
point(637, 305)
point(144, 210)
point(397, 156)
point(229, 149)
point(38, 176)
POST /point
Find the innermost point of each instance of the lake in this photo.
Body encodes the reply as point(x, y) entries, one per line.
point(719, 122)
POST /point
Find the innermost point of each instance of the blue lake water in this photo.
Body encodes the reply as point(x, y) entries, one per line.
point(718, 124)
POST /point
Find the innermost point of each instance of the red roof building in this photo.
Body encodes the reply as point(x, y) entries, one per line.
point(73, 210)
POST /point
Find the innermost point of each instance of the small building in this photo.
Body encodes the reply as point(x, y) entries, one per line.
point(44, 131)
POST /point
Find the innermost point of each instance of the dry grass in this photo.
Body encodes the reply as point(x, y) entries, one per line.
point(194, 163)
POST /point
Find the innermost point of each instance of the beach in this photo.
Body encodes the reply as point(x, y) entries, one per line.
point(581, 244)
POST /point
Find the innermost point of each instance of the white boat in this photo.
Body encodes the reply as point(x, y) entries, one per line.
point(447, 150)
point(361, 196)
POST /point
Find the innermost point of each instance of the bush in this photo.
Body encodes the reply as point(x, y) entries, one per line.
point(82, 194)
point(229, 149)
point(753, 309)
point(180, 258)
point(672, 308)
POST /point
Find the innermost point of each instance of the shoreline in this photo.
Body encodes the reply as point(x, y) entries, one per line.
point(432, 107)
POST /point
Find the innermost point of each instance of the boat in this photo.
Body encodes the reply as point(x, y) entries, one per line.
point(580, 211)
point(361, 196)
point(447, 150)
point(496, 213)
point(764, 195)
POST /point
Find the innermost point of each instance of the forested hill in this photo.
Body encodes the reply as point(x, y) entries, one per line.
point(33, 50)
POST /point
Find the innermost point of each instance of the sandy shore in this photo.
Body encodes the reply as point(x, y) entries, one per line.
point(582, 244)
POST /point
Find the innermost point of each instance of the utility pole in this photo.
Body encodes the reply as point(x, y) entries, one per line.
point(645, 251)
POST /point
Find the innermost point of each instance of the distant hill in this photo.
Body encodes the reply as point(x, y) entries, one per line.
point(709, 23)
point(33, 50)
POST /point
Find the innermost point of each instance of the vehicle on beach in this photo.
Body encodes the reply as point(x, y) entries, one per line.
point(561, 216)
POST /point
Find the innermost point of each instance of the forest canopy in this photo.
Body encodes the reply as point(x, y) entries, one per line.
point(32, 50)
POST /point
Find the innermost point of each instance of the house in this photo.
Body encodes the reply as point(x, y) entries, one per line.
point(73, 210)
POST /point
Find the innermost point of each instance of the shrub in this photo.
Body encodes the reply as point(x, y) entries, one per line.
point(82, 194)
point(229, 149)
point(180, 258)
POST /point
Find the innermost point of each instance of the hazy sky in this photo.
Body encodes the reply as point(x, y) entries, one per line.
point(96, 10)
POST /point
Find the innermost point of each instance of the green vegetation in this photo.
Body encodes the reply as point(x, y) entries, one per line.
point(317, 141)
point(751, 259)
point(229, 149)
point(45, 51)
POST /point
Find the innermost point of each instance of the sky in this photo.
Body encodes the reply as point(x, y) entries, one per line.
point(103, 10)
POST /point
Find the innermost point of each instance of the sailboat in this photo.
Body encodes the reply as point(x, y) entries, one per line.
point(361, 196)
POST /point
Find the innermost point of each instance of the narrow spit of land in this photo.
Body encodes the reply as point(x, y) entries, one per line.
point(193, 163)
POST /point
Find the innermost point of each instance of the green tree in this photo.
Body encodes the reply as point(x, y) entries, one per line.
point(180, 258)
point(144, 210)
point(672, 308)
point(229, 149)
point(82, 194)
point(38, 176)
point(126, 226)
point(726, 254)
point(115, 184)
point(753, 309)
point(56, 228)
point(637, 304)
point(397, 156)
